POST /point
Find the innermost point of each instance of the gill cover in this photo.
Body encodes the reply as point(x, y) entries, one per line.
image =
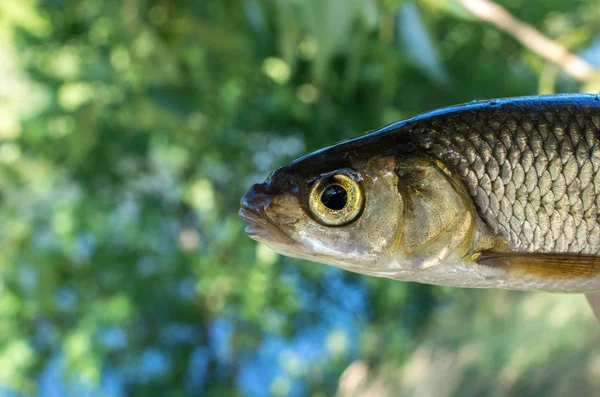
point(440, 223)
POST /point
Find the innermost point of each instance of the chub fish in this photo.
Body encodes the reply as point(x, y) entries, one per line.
point(492, 194)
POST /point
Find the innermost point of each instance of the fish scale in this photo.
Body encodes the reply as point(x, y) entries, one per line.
point(531, 167)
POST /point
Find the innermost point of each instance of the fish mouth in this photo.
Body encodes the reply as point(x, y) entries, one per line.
point(252, 216)
point(263, 231)
point(260, 229)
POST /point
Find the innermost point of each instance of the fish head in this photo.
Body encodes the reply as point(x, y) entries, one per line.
point(378, 215)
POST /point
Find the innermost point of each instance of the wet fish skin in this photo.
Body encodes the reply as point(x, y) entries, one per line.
point(523, 176)
point(531, 166)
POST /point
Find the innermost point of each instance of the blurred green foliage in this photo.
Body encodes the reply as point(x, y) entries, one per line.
point(130, 129)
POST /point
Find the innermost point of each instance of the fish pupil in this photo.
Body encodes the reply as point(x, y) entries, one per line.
point(334, 197)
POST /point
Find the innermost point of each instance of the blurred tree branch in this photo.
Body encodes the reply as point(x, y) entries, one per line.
point(538, 43)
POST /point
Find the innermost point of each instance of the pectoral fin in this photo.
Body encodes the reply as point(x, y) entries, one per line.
point(546, 266)
point(594, 301)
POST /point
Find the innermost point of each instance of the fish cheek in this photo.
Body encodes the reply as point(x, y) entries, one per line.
point(439, 220)
point(380, 225)
point(331, 241)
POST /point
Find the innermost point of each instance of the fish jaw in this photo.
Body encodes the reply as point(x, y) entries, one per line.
point(267, 233)
point(271, 215)
point(255, 209)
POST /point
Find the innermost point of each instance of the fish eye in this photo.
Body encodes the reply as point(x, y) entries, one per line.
point(336, 200)
point(334, 197)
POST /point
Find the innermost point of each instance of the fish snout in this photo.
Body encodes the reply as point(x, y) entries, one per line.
point(257, 207)
point(255, 202)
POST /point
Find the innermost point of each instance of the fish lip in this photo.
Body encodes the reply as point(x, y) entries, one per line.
point(261, 229)
point(250, 215)
point(258, 224)
point(255, 231)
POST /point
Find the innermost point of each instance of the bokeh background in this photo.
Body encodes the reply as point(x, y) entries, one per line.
point(130, 129)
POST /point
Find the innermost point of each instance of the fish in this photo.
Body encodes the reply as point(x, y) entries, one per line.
point(500, 193)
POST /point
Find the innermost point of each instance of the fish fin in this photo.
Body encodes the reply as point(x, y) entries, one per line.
point(543, 265)
point(594, 301)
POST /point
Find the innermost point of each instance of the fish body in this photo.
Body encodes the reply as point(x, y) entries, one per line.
point(499, 194)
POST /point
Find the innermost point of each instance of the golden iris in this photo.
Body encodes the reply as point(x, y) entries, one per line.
point(336, 200)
